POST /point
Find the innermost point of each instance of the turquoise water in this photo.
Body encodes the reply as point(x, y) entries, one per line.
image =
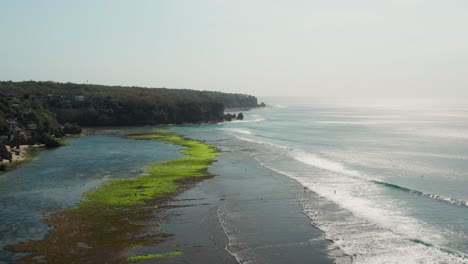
point(396, 170)
point(56, 178)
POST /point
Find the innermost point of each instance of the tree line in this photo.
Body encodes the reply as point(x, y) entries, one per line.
point(98, 105)
point(37, 112)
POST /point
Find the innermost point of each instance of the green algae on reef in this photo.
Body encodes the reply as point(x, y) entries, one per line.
point(155, 256)
point(110, 221)
point(161, 178)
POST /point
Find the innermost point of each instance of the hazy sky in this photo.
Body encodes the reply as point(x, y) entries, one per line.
point(260, 47)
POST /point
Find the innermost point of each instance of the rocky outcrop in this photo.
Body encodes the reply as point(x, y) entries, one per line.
point(4, 153)
point(230, 117)
point(48, 141)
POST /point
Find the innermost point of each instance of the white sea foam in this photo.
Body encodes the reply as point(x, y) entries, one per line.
point(314, 160)
point(234, 246)
point(256, 120)
point(366, 225)
point(441, 198)
point(337, 167)
point(397, 162)
point(279, 106)
point(260, 142)
point(353, 194)
point(238, 130)
point(369, 231)
point(247, 119)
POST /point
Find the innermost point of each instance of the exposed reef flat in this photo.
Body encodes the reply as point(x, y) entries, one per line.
point(112, 220)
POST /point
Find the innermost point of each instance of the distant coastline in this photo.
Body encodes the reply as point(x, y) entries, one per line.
point(238, 109)
point(45, 113)
point(98, 105)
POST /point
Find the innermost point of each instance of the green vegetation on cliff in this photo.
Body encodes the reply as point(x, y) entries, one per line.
point(98, 105)
point(40, 112)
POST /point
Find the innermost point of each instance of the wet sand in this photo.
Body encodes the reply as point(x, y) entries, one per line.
point(246, 214)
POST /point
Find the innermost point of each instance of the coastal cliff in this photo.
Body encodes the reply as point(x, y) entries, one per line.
point(32, 112)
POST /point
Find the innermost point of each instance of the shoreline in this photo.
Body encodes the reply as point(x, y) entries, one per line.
point(17, 154)
point(27, 152)
point(245, 214)
point(121, 210)
point(237, 109)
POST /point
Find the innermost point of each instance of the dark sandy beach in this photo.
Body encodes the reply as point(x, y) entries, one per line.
point(246, 214)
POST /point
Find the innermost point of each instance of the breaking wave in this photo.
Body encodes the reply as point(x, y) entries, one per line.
point(238, 130)
point(353, 212)
point(423, 194)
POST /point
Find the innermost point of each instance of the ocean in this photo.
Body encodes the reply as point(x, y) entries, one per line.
point(300, 181)
point(390, 176)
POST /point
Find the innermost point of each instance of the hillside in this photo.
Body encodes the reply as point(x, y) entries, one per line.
point(30, 109)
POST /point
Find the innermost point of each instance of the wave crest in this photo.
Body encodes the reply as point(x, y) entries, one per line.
point(423, 194)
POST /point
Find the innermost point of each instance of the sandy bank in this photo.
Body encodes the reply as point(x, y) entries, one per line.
point(17, 154)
